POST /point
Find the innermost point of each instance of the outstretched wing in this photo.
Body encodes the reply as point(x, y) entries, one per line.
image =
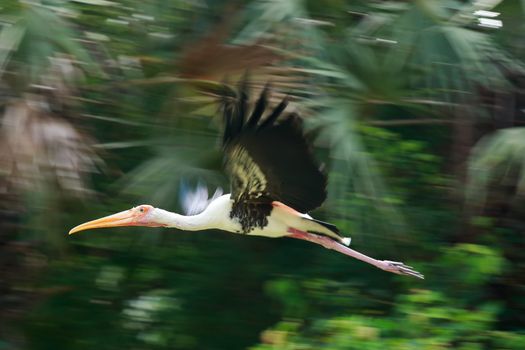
point(195, 200)
point(268, 158)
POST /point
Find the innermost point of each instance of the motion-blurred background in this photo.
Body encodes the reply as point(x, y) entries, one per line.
point(416, 109)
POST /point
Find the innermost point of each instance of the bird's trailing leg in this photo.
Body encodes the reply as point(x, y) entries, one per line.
point(390, 266)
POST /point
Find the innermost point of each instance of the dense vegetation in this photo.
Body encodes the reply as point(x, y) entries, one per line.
point(415, 109)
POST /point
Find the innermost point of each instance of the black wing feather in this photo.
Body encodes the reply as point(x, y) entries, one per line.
point(258, 111)
point(270, 120)
point(242, 106)
point(271, 160)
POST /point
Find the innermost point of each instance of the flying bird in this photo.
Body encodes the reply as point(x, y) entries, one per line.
point(275, 182)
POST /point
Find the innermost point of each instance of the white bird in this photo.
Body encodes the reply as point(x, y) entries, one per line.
point(274, 183)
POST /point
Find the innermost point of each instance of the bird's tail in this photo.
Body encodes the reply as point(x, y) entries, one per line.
point(305, 222)
point(326, 229)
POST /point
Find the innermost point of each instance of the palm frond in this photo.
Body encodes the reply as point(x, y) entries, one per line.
point(187, 156)
point(39, 147)
point(497, 160)
point(355, 172)
point(10, 37)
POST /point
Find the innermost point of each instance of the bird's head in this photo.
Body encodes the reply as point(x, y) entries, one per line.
point(142, 215)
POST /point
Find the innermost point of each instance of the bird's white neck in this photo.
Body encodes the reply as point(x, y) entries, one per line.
point(182, 222)
point(216, 215)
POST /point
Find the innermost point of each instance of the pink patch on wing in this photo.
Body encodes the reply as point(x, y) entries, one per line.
point(286, 208)
point(326, 242)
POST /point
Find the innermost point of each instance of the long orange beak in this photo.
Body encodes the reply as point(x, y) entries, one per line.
point(124, 218)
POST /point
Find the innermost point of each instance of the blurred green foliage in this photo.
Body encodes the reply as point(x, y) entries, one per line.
point(395, 96)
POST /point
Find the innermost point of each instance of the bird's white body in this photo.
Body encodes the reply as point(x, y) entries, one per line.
point(217, 216)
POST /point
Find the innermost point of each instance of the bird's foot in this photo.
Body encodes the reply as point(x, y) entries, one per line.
point(400, 268)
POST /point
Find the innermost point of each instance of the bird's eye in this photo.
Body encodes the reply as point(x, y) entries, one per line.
point(141, 209)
